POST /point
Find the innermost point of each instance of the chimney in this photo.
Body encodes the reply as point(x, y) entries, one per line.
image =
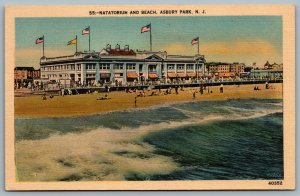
point(126, 47)
point(108, 47)
point(117, 47)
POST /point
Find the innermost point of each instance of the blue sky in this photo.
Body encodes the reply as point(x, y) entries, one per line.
point(245, 39)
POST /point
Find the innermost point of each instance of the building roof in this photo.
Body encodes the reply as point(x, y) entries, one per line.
point(25, 68)
point(121, 52)
point(267, 64)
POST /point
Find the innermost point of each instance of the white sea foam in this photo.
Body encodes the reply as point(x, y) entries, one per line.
point(105, 153)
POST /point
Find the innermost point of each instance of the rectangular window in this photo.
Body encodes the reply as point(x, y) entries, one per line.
point(78, 67)
point(130, 66)
point(180, 66)
point(190, 66)
point(171, 66)
point(104, 66)
point(140, 67)
point(118, 66)
point(91, 66)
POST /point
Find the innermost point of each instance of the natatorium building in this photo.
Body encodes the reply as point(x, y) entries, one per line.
point(120, 66)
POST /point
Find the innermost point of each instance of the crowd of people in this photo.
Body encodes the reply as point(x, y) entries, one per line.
point(40, 86)
point(157, 91)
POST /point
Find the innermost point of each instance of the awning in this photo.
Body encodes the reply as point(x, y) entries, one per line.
point(132, 74)
point(172, 75)
point(118, 75)
point(153, 75)
point(191, 74)
point(181, 75)
point(104, 75)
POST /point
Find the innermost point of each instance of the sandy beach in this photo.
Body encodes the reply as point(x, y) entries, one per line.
point(87, 104)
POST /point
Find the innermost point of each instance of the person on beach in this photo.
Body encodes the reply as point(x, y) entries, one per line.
point(44, 96)
point(201, 89)
point(194, 93)
point(103, 98)
point(221, 88)
point(140, 94)
point(176, 90)
point(256, 88)
point(267, 85)
point(135, 100)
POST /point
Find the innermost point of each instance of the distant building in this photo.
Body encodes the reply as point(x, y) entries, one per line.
point(26, 73)
point(120, 66)
point(270, 74)
point(226, 70)
point(276, 66)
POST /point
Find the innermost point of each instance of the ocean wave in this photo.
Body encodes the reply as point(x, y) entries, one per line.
point(105, 153)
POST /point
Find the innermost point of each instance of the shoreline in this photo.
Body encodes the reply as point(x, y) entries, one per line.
point(142, 108)
point(87, 104)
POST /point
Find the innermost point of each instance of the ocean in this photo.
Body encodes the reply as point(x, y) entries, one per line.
point(207, 140)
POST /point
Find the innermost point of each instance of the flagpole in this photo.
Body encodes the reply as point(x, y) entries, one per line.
point(89, 38)
point(198, 45)
point(76, 43)
point(150, 37)
point(43, 45)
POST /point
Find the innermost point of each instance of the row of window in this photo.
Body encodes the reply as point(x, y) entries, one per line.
point(182, 67)
point(58, 67)
point(106, 66)
point(55, 75)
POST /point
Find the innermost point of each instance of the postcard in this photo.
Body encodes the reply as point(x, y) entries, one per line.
point(160, 97)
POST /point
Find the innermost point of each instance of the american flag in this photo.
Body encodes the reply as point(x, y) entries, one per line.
point(39, 40)
point(195, 41)
point(86, 31)
point(146, 28)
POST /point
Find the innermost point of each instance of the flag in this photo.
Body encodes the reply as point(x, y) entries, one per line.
point(73, 41)
point(146, 28)
point(86, 31)
point(39, 40)
point(195, 41)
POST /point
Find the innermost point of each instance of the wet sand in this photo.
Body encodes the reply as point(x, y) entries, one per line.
point(87, 104)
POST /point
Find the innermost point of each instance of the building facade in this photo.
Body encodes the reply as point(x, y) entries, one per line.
point(226, 70)
point(120, 66)
point(26, 73)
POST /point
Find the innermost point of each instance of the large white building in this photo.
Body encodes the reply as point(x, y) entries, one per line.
point(120, 66)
